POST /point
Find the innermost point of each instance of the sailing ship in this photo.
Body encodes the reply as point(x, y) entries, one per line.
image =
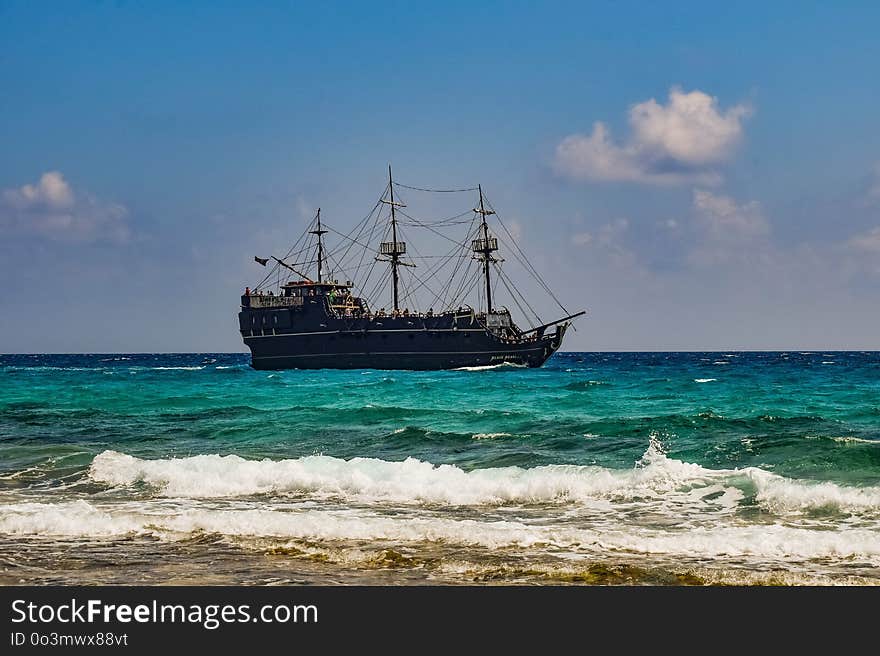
point(301, 316)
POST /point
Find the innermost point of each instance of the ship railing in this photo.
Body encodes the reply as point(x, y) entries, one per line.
point(266, 301)
point(347, 310)
point(500, 324)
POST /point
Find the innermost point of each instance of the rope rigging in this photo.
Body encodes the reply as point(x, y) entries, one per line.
point(525, 261)
point(434, 191)
point(448, 279)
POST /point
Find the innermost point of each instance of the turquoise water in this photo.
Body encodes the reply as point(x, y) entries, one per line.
point(599, 467)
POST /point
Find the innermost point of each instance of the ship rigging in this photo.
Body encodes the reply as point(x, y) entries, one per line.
point(294, 318)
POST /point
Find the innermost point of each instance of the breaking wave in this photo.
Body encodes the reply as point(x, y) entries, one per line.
point(775, 542)
point(655, 477)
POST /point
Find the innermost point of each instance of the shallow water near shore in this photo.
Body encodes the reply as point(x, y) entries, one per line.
point(603, 468)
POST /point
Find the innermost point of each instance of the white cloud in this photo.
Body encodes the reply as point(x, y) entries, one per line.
point(690, 129)
point(596, 157)
point(50, 208)
point(868, 242)
point(676, 143)
point(726, 220)
point(51, 191)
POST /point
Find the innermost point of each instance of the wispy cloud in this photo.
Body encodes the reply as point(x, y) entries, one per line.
point(582, 238)
point(727, 231)
point(868, 242)
point(681, 142)
point(725, 219)
point(608, 240)
point(50, 208)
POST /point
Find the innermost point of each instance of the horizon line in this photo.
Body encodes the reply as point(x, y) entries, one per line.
point(713, 350)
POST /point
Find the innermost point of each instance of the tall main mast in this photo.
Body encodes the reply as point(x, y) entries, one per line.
point(318, 231)
point(485, 245)
point(393, 249)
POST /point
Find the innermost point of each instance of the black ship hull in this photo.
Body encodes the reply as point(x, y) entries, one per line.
point(311, 337)
point(347, 351)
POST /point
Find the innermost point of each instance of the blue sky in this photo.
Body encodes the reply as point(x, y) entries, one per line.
point(698, 176)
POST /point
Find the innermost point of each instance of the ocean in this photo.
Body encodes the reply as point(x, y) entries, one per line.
point(599, 468)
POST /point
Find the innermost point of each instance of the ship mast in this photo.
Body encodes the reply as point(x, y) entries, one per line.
point(393, 249)
point(485, 245)
point(318, 231)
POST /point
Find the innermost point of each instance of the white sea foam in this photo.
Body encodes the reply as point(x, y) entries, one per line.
point(856, 440)
point(704, 380)
point(489, 436)
point(49, 368)
point(488, 367)
point(76, 518)
point(845, 439)
point(177, 368)
point(655, 477)
point(409, 481)
point(780, 494)
point(774, 542)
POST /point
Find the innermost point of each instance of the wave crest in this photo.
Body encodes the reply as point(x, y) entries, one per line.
point(408, 481)
point(656, 477)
